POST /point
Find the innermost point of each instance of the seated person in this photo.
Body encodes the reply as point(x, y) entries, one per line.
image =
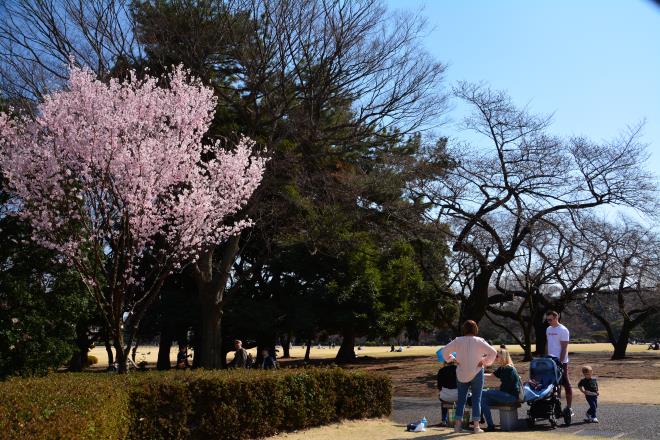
point(448, 387)
point(268, 362)
point(182, 358)
point(509, 387)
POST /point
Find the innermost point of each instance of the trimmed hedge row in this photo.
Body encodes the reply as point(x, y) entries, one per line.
point(188, 405)
point(64, 406)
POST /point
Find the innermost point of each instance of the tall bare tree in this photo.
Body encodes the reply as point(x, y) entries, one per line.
point(523, 172)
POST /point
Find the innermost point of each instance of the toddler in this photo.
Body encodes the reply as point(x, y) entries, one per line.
point(589, 387)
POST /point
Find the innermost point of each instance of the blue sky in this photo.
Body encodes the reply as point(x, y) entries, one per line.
point(594, 64)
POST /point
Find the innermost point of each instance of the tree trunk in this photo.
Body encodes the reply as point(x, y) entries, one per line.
point(346, 353)
point(475, 306)
point(286, 346)
point(76, 364)
point(121, 357)
point(108, 351)
point(211, 343)
point(164, 348)
point(621, 344)
point(211, 282)
point(134, 350)
point(108, 346)
point(79, 359)
point(309, 347)
point(540, 325)
point(527, 334)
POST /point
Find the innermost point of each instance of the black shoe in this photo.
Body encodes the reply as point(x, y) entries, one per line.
point(490, 429)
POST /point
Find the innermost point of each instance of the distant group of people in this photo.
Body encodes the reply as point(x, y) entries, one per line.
point(242, 359)
point(466, 358)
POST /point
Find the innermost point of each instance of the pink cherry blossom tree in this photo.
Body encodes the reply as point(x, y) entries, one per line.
point(114, 176)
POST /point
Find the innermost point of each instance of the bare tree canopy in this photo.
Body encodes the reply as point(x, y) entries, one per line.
point(610, 267)
point(39, 38)
point(525, 174)
point(625, 286)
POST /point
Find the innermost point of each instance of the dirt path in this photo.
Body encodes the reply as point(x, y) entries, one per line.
point(415, 376)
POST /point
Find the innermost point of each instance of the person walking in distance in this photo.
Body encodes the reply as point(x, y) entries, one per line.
point(558, 336)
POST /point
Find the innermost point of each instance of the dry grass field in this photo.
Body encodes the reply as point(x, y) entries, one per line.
point(149, 353)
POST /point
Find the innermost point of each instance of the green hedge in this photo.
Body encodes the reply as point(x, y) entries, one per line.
point(64, 406)
point(183, 405)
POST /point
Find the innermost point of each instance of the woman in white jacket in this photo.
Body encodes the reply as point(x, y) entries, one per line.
point(472, 355)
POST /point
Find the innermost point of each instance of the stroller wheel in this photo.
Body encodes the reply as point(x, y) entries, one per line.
point(567, 417)
point(553, 422)
point(531, 422)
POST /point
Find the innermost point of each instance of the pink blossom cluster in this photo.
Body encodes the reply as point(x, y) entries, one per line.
point(112, 167)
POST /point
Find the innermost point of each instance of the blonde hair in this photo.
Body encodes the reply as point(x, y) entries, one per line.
point(504, 357)
point(587, 369)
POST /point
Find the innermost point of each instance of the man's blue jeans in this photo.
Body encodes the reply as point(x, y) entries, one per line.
point(475, 385)
point(593, 404)
point(490, 397)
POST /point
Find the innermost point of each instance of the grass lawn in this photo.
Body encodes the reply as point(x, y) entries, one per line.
point(149, 353)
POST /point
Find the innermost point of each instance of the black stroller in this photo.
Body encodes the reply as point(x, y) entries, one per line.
point(543, 399)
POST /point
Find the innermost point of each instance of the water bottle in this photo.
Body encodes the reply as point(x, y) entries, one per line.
point(421, 426)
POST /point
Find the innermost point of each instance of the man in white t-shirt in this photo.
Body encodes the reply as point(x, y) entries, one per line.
point(557, 345)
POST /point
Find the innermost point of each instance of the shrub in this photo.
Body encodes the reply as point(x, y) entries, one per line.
point(252, 404)
point(64, 406)
point(185, 404)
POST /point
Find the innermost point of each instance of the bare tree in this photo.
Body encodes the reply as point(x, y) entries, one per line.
point(551, 270)
point(610, 268)
point(39, 38)
point(529, 175)
point(519, 294)
point(629, 291)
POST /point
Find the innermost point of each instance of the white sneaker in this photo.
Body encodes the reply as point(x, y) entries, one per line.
point(594, 420)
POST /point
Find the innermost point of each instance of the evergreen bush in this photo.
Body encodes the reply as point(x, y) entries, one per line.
point(236, 404)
